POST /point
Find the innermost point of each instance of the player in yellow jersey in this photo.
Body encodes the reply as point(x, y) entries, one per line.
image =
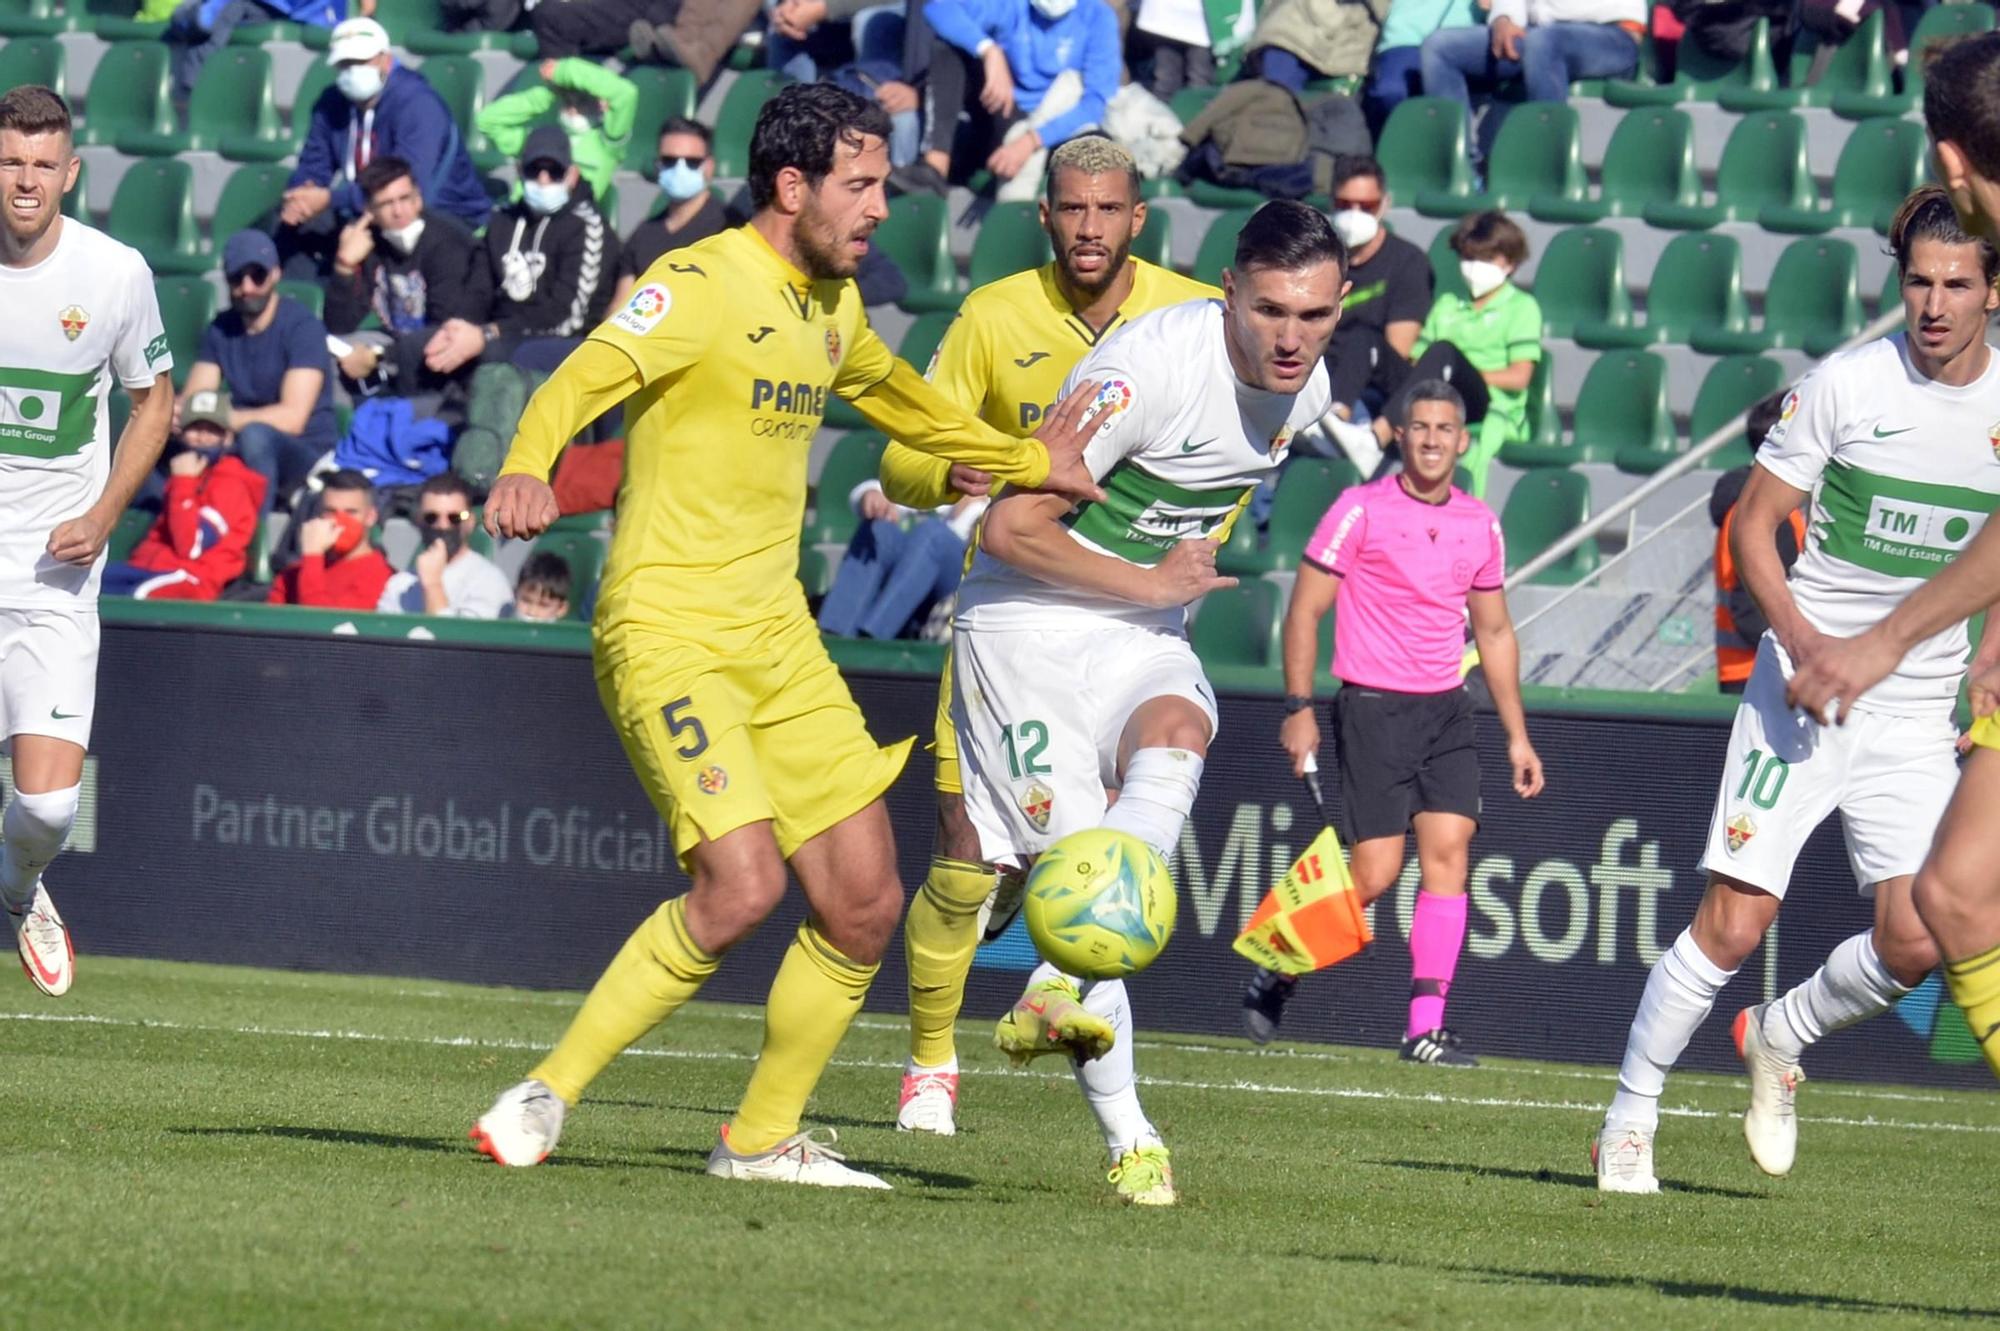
point(1005, 357)
point(707, 661)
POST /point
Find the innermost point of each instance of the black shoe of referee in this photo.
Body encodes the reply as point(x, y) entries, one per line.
point(1440, 1047)
point(1264, 1002)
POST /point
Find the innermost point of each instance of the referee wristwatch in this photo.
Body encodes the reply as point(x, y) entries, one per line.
point(1296, 703)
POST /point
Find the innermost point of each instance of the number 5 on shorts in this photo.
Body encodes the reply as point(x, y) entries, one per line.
point(1763, 778)
point(678, 726)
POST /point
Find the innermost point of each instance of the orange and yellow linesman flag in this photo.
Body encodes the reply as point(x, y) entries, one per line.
point(1312, 918)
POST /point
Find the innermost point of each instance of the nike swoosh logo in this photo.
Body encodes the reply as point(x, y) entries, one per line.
point(762, 333)
point(57, 714)
point(1030, 359)
point(1191, 446)
point(1881, 433)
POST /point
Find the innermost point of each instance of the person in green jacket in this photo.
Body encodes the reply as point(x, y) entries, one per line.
point(593, 105)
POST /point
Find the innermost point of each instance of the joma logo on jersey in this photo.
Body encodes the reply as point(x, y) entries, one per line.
point(794, 399)
point(1920, 528)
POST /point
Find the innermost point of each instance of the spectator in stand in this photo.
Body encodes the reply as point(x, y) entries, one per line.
point(1388, 294)
point(1739, 624)
point(541, 593)
point(200, 543)
point(698, 38)
point(545, 277)
point(590, 103)
point(808, 38)
point(200, 28)
point(690, 212)
point(270, 353)
point(376, 108)
point(338, 569)
point(1170, 45)
point(900, 561)
point(481, 15)
point(1397, 70)
point(1546, 44)
point(566, 28)
point(405, 268)
point(448, 577)
point(1033, 74)
point(1297, 41)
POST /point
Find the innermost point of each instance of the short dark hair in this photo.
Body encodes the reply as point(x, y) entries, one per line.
point(1763, 417)
point(687, 125)
point(348, 481)
point(1288, 235)
point(34, 109)
point(1490, 235)
point(545, 571)
point(1432, 390)
point(446, 483)
point(382, 172)
point(1928, 215)
point(802, 127)
point(1962, 98)
point(1349, 165)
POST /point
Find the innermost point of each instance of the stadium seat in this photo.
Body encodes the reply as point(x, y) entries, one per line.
point(1649, 159)
point(1238, 626)
point(130, 529)
point(153, 211)
point(241, 122)
point(663, 94)
point(1581, 278)
point(1306, 489)
point(31, 18)
point(854, 459)
point(128, 93)
point(1813, 303)
point(1218, 245)
point(815, 571)
point(1423, 148)
point(1763, 165)
point(117, 21)
point(1697, 283)
point(1699, 76)
point(1880, 164)
point(319, 76)
point(1211, 195)
point(76, 203)
point(920, 340)
point(584, 553)
point(1156, 243)
point(1010, 240)
point(1732, 385)
point(1891, 296)
point(1445, 277)
point(249, 201)
point(33, 60)
point(1858, 66)
point(1543, 507)
point(461, 82)
point(738, 116)
point(1622, 404)
point(1939, 23)
point(917, 236)
point(1544, 421)
point(1535, 154)
point(312, 295)
point(186, 306)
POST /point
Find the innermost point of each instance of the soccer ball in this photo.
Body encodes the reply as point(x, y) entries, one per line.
point(1100, 904)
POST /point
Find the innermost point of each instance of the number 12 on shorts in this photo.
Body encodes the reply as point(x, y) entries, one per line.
point(1031, 737)
point(1763, 778)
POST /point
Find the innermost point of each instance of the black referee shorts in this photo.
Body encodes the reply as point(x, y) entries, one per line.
point(1402, 754)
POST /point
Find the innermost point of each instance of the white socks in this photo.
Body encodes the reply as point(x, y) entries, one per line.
point(1159, 790)
point(1110, 1084)
point(1851, 986)
point(35, 827)
point(1679, 994)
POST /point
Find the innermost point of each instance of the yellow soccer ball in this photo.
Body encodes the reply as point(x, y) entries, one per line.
point(1100, 904)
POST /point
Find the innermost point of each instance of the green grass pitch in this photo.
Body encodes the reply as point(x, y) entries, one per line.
point(205, 1147)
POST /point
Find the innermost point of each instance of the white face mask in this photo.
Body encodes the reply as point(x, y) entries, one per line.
point(1482, 277)
point(546, 198)
point(405, 238)
point(359, 83)
point(1053, 9)
point(1356, 228)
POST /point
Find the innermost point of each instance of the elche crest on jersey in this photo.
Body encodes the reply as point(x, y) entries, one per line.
point(1993, 438)
point(1038, 803)
point(1741, 829)
point(833, 347)
point(1282, 439)
point(74, 319)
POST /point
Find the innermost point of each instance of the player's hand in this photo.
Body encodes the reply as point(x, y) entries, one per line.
point(1983, 688)
point(1838, 671)
point(998, 94)
point(1299, 736)
point(79, 540)
point(317, 535)
point(1187, 574)
point(1527, 765)
point(430, 564)
point(971, 481)
point(520, 507)
point(1065, 433)
point(357, 242)
point(878, 507)
point(1506, 35)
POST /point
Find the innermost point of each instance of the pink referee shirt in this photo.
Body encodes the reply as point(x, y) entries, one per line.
point(1405, 568)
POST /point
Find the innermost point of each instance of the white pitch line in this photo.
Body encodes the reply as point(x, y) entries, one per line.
point(1171, 1083)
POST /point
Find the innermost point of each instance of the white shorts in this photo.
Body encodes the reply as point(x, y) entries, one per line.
point(1039, 716)
point(48, 674)
point(1889, 776)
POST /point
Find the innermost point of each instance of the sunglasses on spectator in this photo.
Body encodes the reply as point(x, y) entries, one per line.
point(445, 519)
point(666, 160)
point(542, 171)
point(1373, 205)
point(254, 275)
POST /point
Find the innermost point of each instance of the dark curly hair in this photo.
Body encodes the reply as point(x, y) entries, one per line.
point(801, 127)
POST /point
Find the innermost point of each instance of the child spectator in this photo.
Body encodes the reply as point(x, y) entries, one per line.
point(337, 569)
point(200, 543)
point(541, 593)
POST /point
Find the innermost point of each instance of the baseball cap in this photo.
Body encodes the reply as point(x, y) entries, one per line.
point(356, 39)
point(246, 248)
point(547, 143)
point(208, 407)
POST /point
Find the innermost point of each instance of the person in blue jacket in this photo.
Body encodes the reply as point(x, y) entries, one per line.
point(200, 28)
point(376, 108)
point(1053, 64)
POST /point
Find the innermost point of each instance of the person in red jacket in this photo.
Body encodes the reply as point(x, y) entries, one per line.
point(338, 569)
point(201, 541)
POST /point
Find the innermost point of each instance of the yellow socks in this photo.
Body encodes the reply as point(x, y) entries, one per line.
point(940, 934)
point(1975, 987)
point(657, 970)
point(812, 1003)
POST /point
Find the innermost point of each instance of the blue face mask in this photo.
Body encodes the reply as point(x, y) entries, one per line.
point(680, 182)
point(546, 198)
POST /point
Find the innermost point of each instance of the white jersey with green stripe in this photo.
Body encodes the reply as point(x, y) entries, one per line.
point(1186, 447)
point(1902, 473)
point(82, 316)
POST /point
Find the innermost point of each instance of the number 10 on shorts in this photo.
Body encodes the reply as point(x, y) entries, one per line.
point(1763, 778)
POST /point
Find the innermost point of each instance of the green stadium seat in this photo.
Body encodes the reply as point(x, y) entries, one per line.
point(1622, 404)
point(1191, 102)
point(273, 33)
point(76, 203)
point(1423, 148)
point(116, 21)
point(1732, 385)
point(584, 553)
point(1882, 161)
point(738, 116)
point(1581, 278)
point(1891, 296)
point(1156, 243)
point(187, 304)
point(405, 19)
point(917, 235)
point(1699, 76)
point(1535, 155)
point(312, 295)
point(249, 201)
point(1763, 165)
point(33, 60)
point(129, 92)
point(1813, 303)
point(815, 571)
point(1445, 277)
point(230, 111)
point(153, 211)
point(920, 341)
point(1697, 283)
point(1939, 23)
point(31, 18)
point(1239, 626)
point(319, 76)
point(1649, 160)
point(1211, 195)
point(1857, 67)
point(1543, 507)
point(130, 529)
point(1010, 240)
point(663, 94)
point(1218, 245)
point(1544, 421)
point(855, 458)
point(1306, 489)
point(460, 81)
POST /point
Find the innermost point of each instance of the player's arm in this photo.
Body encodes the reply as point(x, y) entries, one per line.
point(1314, 592)
point(958, 370)
point(1767, 504)
point(1500, 654)
point(1027, 532)
point(79, 540)
point(594, 378)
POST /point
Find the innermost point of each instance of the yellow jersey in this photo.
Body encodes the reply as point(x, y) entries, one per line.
point(1005, 357)
point(724, 356)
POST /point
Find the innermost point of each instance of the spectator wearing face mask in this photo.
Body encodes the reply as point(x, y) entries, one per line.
point(448, 577)
point(689, 212)
point(541, 593)
point(200, 543)
point(337, 568)
point(1388, 292)
point(592, 105)
point(405, 268)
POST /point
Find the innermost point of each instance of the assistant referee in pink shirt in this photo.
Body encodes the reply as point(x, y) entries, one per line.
point(1405, 558)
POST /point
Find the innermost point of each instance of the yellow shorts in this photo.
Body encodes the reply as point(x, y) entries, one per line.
point(1985, 731)
point(766, 732)
point(944, 738)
